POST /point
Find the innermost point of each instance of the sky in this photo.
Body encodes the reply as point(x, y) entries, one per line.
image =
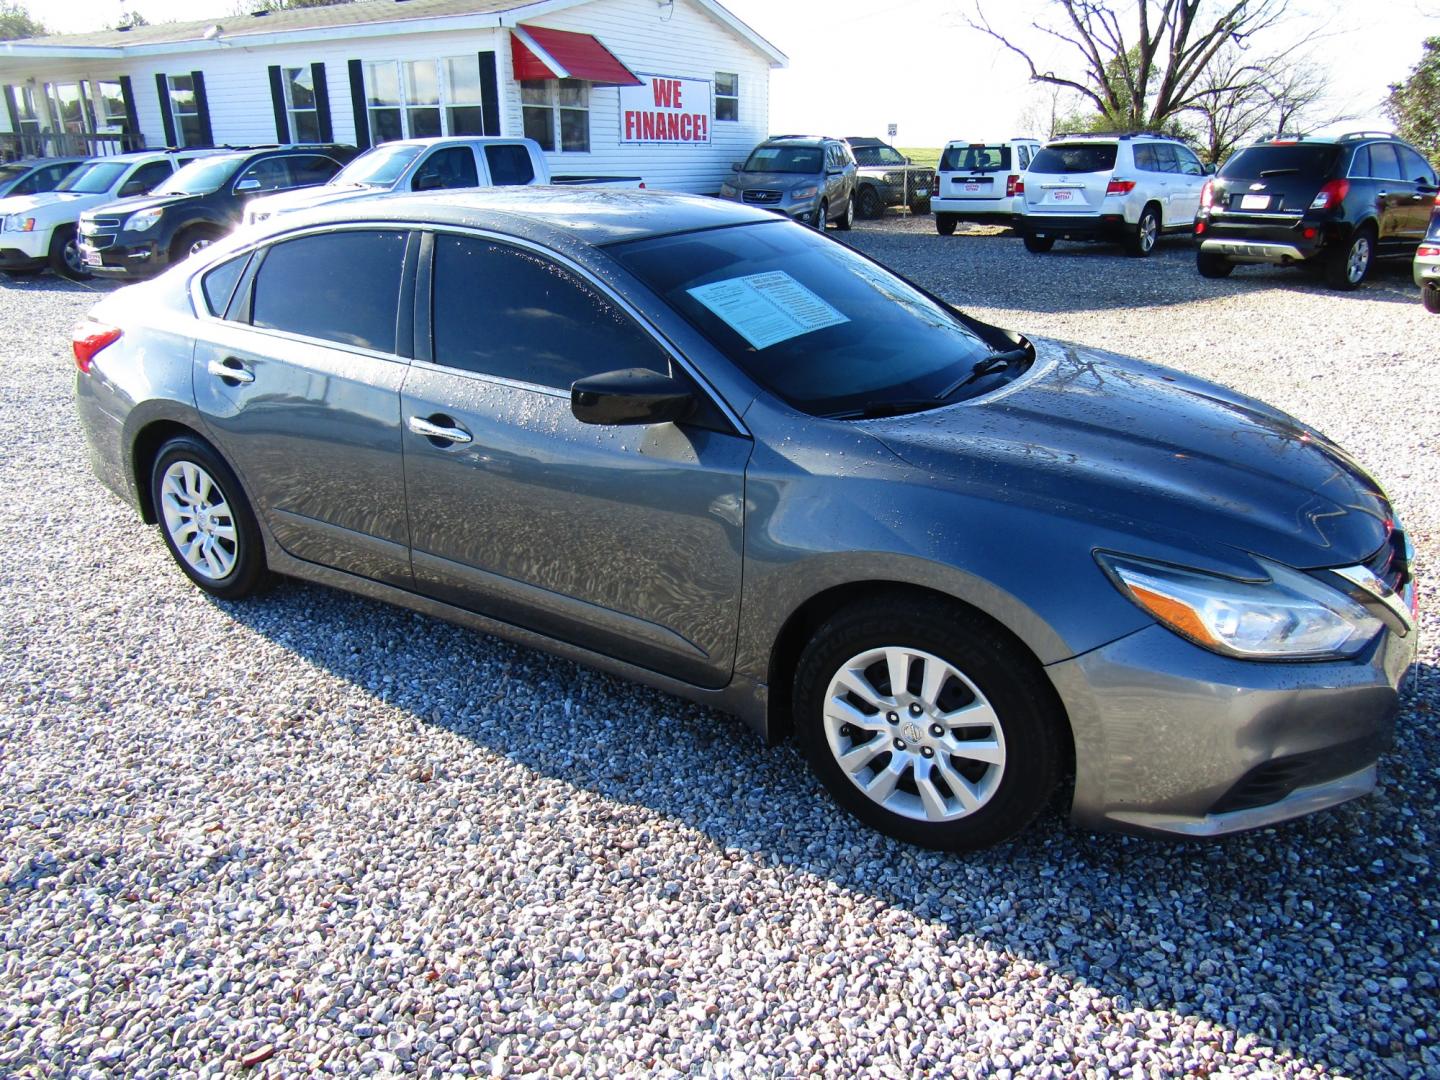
point(857, 66)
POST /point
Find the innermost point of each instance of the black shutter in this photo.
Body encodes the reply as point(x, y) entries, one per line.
point(132, 122)
point(322, 102)
point(357, 103)
point(277, 102)
point(489, 95)
point(202, 105)
point(162, 87)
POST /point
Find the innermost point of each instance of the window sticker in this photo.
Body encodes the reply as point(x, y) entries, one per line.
point(767, 308)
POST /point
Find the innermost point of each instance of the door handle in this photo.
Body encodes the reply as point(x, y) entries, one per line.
point(421, 426)
point(231, 370)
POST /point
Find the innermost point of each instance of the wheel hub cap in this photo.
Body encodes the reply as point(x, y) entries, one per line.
point(199, 520)
point(905, 766)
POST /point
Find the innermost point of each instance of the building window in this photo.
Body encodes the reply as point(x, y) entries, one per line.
point(185, 110)
point(26, 110)
point(727, 96)
point(109, 105)
point(415, 99)
point(557, 106)
point(69, 107)
point(300, 105)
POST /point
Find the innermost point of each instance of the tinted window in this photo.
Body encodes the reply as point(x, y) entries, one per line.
point(1189, 163)
point(1306, 159)
point(146, 177)
point(815, 322)
point(341, 286)
point(976, 159)
point(219, 284)
point(509, 164)
point(1165, 158)
point(1145, 159)
point(1383, 162)
point(1415, 167)
point(311, 169)
point(451, 167)
point(271, 174)
point(504, 311)
point(1076, 158)
point(878, 155)
point(785, 159)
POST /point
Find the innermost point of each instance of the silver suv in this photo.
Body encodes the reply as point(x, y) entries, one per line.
point(808, 178)
point(1129, 188)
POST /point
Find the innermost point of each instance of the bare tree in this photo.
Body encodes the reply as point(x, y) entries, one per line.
point(1139, 62)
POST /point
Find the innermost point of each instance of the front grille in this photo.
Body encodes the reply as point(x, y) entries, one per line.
point(762, 196)
point(99, 243)
point(1273, 780)
point(95, 226)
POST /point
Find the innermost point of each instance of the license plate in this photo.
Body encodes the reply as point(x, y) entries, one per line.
point(1063, 196)
point(89, 256)
point(921, 192)
point(972, 187)
point(1254, 202)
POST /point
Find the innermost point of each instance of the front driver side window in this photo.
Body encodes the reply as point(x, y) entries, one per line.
point(144, 178)
point(451, 167)
point(506, 311)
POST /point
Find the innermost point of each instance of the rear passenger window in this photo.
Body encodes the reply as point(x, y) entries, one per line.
point(311, 169)
point(509, 164)
point(1145, 159)
point(340, 286)
point(1384, 165)
point(508, 312)
point(1165, 158)
point(219, 284)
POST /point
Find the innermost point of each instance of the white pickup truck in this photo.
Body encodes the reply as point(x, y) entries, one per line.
point(430, 165)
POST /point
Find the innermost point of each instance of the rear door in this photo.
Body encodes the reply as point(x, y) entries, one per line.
point(300, 388)
point(1422, 195)
point(1186, 185)
point(976, 173)
point(1399, 224)
point(623, 540)
point(1069, 178)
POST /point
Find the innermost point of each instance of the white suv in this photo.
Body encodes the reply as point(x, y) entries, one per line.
point(1127, 188)
point(37, 231)
point(979, 182)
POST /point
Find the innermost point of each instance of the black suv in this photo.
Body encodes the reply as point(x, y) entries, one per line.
point(200, 203)
point(1336, 204)
point(888, 178)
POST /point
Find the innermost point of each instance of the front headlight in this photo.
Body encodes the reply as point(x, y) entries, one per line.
point(806, 192)
point(143, 219)
point(16, 223)
point(1290, 617)
point(727, 189)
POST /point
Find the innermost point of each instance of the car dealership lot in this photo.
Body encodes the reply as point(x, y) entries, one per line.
point(358, 837)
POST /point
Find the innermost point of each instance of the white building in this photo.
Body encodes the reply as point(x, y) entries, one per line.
point(671, 90)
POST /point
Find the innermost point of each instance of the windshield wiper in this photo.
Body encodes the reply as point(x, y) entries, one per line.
point(994, 362)
point(875, 409)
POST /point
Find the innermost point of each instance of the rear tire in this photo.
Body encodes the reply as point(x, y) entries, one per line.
point(920, 206)
point(1213, 266)
point(1142, 239)
point(65, 254)
point(1038, 245)
point(945, 224)
point(871, 205)
point(1348, 265)
point(997, 758)
point(1430, 297)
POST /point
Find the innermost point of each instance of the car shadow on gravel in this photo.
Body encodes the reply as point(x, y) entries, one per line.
point(1312, 938)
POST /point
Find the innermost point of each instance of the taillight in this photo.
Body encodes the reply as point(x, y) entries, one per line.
point(1207, 195)
point(642, 185)
point(1013, 186)
point(1119, 187)
point(88, 338)
point(1019, 185)
point(1428, 250)
point(1331, 195)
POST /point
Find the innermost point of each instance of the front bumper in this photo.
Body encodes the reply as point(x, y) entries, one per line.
point(123, 259)
point(1078, 227)
point(24, 250)
point(1172, 739)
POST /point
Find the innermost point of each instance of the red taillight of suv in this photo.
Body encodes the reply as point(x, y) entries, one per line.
point(1014, 185)
point(1119, 187)
point(1331, 195)
point(88, 338)
point(1429, 251)
point(1207, 195)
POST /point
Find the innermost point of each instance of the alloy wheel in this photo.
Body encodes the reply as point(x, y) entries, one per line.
point(1149, 231)
point(199, 520)
point(914, 734)
point(1358, 260)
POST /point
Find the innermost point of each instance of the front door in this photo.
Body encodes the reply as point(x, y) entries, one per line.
point(623, 540)
point(301, 389)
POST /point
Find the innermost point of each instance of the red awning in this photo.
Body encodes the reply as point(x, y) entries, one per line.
point(538, 53)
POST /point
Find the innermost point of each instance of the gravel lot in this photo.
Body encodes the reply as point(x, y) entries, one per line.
point(309, 833)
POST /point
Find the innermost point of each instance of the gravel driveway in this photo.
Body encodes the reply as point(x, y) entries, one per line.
point(310, 833)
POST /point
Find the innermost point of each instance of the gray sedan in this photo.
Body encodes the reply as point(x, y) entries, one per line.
point(703, 447)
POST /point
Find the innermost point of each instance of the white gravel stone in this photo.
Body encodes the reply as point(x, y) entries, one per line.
point(377, 843)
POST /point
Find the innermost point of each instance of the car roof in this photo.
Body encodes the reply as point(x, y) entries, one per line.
point(37, 162)
point(593, 216)
point(797, 140)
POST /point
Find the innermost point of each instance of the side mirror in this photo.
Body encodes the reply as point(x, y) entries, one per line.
point(1209, 168)
point(737, 166)
point(630, 396)
point(248, 184)
point(428, 181)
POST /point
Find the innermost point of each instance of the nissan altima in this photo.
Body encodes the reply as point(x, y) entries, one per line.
point(709, 449)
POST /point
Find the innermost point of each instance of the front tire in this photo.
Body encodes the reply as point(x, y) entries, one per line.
point(1346, 267)
point(65, 254)
point(871, 205)
point(1430, 297)
point(1038, 245)
point(847, 219)
point(822, 215)
point(1146, 234)
point(191, 242)
point(927, 724)
point(206, 520)
point(1213, 266)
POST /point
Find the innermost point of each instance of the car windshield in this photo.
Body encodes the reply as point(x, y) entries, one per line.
point(201, 177)
point(976, 158)
point(12, 172)
point(785, 159)
point(1075, 158)
point(826, 329)
point(94, 178)
point(878, 155)
point(379, 167)
point(1307, 159)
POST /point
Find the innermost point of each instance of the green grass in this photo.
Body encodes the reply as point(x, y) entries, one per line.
point(922, 155)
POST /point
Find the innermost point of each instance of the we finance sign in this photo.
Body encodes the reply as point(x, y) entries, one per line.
point(665, 110)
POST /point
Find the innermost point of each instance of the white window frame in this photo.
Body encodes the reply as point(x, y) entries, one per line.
point(556, 109)
point(445, 95)
point(292, 111)
point(735, 97)
point(177, 115)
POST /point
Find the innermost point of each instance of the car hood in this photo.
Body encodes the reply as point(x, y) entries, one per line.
point(765, 181)
point(65, 200)
point(323, 195)
point(1147, 449)
point(122, 207)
